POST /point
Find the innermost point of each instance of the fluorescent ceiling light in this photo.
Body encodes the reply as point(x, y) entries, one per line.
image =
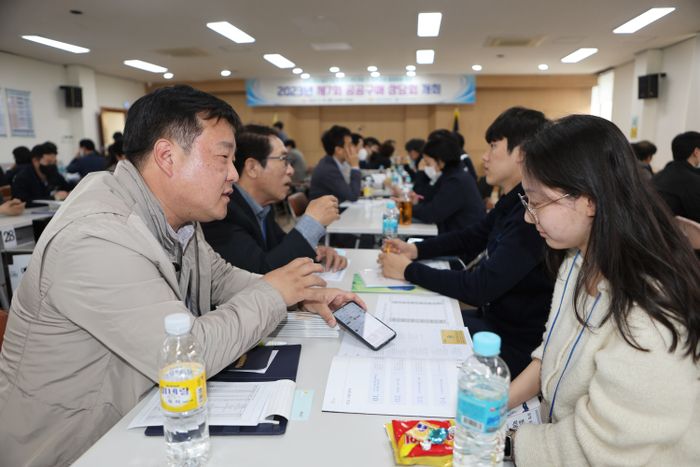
point(410, 74)
point(429, 24)
point(371, 68)
point(340, 74)
point(410, 68)
point(305, 76)
point(334, 69)
point(646, 18)
point(57, 44)
point(297, 71)
point(543, 67)
point(225, 73)
point(578, 55)
point(477, 67)
point(231, 32)
point(168, 75)
point(278, 60)
point(375, 74)
point(141, 65)
point(425, 57)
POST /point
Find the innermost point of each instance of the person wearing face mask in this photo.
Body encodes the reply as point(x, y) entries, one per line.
point(41, 180)
point(455, 202)
point(679, 182)
point(358, 142)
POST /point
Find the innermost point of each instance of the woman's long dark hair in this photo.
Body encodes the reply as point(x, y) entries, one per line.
point(634, 242)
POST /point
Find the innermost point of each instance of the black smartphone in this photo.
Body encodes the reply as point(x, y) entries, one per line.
point(370, 330)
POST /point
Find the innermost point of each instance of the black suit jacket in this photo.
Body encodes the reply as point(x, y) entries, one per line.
point(238, 239)
point(326, 179)
point(679, 185)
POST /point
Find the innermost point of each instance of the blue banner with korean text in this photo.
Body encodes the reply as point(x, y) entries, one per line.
point(389, 90)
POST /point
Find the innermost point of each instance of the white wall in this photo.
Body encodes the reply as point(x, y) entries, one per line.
point(677, 109)
point(53, 121)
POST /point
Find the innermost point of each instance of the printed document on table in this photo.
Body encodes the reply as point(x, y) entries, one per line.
point(231, 404)
point(386, 386)
point(425, 328)
point(331, 276)
point(372, 277)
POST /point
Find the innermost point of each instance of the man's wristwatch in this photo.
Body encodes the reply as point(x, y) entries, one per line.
point(509, 449)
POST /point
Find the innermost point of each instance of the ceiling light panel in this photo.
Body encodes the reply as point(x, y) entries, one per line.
point(429, 24)
point(578, 55)
point(141, 65)
point(231, 32)
point(645, 19)
point(425, 57)
point(278, 60)
point(57, 44)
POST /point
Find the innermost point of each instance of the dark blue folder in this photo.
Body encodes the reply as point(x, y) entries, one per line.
point(284, 366)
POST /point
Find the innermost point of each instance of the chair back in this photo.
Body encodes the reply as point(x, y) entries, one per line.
point(297, 204)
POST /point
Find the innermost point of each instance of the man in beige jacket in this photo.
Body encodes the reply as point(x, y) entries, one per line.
point(124, 251)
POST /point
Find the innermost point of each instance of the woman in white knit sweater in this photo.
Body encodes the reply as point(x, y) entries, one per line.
point(618, 367)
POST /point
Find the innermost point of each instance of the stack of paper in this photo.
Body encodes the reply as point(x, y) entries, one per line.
point(304, 324)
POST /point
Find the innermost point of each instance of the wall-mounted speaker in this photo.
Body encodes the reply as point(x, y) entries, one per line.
point(648, 86)
point(74, 96)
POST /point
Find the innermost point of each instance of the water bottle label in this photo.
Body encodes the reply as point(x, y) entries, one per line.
point(183, 395)
point(481, 415)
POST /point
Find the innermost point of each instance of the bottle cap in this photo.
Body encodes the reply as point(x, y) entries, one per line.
point(390, 204)
point(177, 324)
point(487, 344)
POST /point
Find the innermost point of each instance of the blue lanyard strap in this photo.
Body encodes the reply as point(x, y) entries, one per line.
point(571, 353)
point(563, 294)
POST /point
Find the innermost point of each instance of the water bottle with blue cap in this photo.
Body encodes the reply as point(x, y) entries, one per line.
point(482, 403)
point(390, 222)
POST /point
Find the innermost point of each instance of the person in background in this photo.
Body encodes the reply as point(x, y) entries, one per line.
point(338, 172)
point(358, 145)
point(645, 150)
point(382, 158)
point(279, 128)
point(466, 160)
point(618, 368)
point(86, 323)
point(371, 147)
point(23, 159)
point(415, 166)
point(115, 153)
point(507, 280)
point(679, 182)
point(40, 180)
point(248, 237)
point(455, 202)
point(296, 161)
point(87, 160)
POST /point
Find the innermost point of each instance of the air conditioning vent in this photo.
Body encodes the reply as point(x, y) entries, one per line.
point(513, 41)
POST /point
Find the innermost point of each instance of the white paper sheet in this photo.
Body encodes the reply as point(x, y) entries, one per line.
point(304, 324)
point(337, 276)
point(261, 371)
point(372, 277)
point(231, 404)
point(412, 388)
point(436, 263)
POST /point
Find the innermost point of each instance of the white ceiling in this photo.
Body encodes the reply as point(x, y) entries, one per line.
point(380, 32)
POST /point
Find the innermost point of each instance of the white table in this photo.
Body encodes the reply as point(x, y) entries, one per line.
point(365, 217)
point(340, 440)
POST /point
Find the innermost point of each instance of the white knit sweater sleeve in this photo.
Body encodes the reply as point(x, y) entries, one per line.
point(638, 405)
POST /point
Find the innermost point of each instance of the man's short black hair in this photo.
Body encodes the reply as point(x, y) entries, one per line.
point(22, 155)
point(371, 141)
point(516, 125)
point(291, 143)
point(117, 136)
point(87, 144)
point(443, 148)
point(356, 137)
point(279, 125)
point(40, 150)
point(334, 137)
point(684, 144)
point(415, 144)
point(171, 112)
point(51, 147)
point(644, 150)
point(253, 142)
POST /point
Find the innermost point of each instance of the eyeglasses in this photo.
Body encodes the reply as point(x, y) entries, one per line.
point(532, 210)
point(284, 159)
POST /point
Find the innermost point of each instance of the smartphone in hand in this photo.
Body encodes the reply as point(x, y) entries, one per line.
point(370, 330)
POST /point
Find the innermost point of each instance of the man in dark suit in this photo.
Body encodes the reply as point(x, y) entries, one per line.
point(679, 182)
point(337, 173)
point(249, 237)
point(41, 179)
point(87, 160)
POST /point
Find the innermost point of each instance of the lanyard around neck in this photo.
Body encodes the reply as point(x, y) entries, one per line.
point(578, 338)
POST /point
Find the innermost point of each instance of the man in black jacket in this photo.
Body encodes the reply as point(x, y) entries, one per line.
point(41, 179)
point(87, 160)
point(337, 173)
point(249, 237)
point(679, 182)
point(508, 283)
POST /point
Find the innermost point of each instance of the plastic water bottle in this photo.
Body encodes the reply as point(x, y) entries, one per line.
point(183, 394)
point(482, 403)
point(390, 221)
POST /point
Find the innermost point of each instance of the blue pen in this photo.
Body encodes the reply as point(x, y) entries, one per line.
point(402, 287)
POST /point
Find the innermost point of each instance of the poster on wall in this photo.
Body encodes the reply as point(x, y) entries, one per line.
point(3, 128)
point(358, 90)
point(19, 108)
